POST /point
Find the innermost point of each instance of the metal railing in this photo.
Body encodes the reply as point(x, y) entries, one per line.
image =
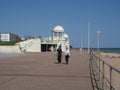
point(103, 75)
point(45, 40)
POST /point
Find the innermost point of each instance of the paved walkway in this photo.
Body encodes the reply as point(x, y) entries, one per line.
point(40, 71)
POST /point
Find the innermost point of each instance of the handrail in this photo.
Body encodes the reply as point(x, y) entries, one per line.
point(27, 44)
point(107, 63)
point(98, 67)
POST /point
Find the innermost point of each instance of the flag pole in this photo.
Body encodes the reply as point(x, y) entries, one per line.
point(97, 41)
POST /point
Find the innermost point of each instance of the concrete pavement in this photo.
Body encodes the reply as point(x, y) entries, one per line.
point(40, 71)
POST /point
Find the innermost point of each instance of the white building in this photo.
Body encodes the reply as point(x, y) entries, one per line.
point(59, 38)
point(7, 37)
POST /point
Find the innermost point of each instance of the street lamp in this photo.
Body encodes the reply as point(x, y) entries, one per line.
point(98, 39)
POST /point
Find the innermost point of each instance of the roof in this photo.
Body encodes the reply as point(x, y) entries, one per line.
point(58, 29)
point(65, 35)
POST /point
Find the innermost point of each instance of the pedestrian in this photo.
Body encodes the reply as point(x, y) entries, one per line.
point(91, 50)
point(59, 54)
point(67, 55)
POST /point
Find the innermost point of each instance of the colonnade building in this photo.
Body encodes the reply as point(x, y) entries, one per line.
point(58, 38)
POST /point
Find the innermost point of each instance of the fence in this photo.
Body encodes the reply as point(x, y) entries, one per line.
point(104, 76)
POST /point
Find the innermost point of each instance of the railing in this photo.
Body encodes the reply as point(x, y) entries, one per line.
point(52, 41)
point(103, 75)
point(25, 45)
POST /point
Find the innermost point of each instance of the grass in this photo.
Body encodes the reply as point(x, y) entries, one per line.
point(8, 43)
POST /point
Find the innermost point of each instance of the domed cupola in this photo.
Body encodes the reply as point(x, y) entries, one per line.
point(58, 29)
point(58, 33)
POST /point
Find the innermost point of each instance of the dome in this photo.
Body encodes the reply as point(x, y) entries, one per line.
point(58, 29)
point(65, 35)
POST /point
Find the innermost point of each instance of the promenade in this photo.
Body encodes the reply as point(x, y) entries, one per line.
point(40, 71)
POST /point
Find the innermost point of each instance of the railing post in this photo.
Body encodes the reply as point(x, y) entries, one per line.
point(103, 75)
point(99, 70)
point(111, 78)
point(96, 66)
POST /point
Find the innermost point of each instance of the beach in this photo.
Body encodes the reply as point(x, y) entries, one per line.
point(113, 59)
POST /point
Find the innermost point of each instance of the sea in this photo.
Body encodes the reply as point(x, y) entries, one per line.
point(106, 50)
point(110, 50)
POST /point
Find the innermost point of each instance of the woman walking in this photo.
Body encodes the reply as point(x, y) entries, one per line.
point(67, 55)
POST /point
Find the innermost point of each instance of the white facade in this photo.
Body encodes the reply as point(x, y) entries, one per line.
point(9, 49)
point(31, 45)
point(59, 38)
point(5, 37)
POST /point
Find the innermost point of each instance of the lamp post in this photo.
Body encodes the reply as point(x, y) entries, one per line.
point(81, 48)
point(98, 39)
point(88, 37)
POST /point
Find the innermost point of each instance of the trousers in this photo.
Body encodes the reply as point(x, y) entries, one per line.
point(67, 58)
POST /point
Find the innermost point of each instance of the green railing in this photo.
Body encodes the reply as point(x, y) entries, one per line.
point(103, 75)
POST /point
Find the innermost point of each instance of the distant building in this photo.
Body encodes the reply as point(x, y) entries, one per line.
point(8, 37)
point(58, 38)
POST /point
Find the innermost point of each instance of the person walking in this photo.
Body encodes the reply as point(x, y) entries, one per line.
point(59, 54)
point(67, 55)
point(91, 50)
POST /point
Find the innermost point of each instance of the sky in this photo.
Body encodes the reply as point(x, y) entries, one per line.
point(39, 17)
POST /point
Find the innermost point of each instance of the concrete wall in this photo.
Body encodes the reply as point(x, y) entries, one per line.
point(9, 49)
point(31, 45)
point(35, 46)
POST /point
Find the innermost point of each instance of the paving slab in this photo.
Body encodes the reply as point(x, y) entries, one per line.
point(40, 71)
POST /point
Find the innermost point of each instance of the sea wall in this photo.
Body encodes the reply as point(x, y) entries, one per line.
point(9, 49)
point(31, 45)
